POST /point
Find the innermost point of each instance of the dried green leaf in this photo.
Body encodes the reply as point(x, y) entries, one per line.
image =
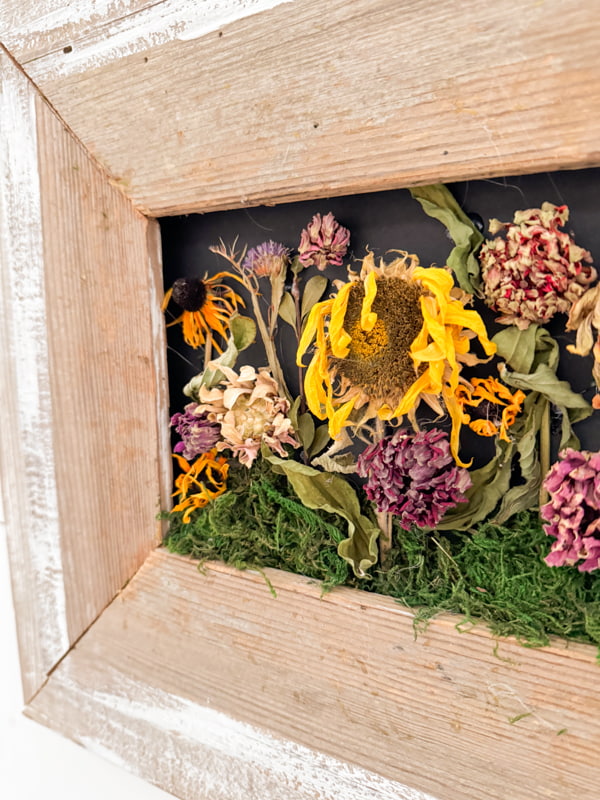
point(293, 412)
point(545, 381)
point(296, 266)
point(438, 202)
point(546, 350)
point(344, 463)
point(287, 310)
point(306, 429)
point(490, 484)
point(313, 292)
point(242, 333)
point(522, 497)
point(517, 347)
point(320, 441)
point(335, 495)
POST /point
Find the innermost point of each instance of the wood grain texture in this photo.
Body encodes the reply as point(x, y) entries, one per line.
point(42, 32)
point(459, 716)
point(104, 381)
point(27, 462)
point(301, 102)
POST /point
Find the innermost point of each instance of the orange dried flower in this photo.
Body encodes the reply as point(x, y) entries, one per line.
point(486, 394)
point(200, 482)
point(207, 305)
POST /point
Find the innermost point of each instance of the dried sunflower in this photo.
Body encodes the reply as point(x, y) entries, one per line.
point(200, 482)
point(207, 307)
point(392, 336)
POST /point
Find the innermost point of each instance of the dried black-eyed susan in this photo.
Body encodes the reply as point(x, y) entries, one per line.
point(394, 335)
point(200, 482)
point(207, 304)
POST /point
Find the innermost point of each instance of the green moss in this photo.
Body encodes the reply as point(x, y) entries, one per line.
point(259, 523)
point(495, 572)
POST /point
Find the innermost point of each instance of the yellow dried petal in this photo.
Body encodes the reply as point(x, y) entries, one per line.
point(367, 317)
point(339, 339)
point(339, 418)
point(315, 320)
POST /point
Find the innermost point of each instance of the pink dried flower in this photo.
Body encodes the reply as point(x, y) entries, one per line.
point(267, 259)
point(414, 476)
point(323, 241)
point(249, 411)
point(573, 513)
point(198, 434)
point(537, 270)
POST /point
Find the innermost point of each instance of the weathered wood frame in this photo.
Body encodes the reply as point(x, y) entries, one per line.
point(206, 685)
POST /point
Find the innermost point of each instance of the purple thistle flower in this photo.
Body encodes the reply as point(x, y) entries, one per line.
point(573, 512)
point(414, 476)
point(323, 241)
point(198, 434)
point(267, 259)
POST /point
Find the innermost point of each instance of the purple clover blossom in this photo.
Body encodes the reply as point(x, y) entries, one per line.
point(324, 241)
point(414, 476)
point(573, 512)
point(198, 435)
point(267, 259)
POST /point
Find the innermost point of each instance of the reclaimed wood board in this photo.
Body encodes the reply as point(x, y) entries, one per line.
point(82, 377)
point(455, 715)
point(301, 101)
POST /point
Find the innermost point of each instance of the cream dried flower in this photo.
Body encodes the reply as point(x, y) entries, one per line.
point(585, 319)
point(250, 411)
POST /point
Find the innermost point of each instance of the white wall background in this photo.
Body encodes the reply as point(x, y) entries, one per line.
point(36, 763)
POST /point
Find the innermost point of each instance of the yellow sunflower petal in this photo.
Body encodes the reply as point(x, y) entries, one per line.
point(456, 415)
point(340, 417)
point(421, 385)
point(339, 339)
point(315, 321)
point(368, 318)
point(437, 281)
point(316, 396)
point(456, 314)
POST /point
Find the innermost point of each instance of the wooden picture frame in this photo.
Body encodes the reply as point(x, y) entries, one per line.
point(205, 684)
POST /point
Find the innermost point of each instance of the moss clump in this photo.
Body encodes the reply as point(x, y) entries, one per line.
point(494, 572)
point(259, 523)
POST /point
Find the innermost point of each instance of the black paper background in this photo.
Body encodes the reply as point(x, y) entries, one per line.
point(382, 221)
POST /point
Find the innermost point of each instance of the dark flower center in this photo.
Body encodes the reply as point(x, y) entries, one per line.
point(379, 361)
point(189, 293)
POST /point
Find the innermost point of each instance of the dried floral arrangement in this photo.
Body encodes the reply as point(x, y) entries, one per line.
point(343, 455)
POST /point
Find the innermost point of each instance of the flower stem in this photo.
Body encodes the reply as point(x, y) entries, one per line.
point(269, 345)
point(207, 351)
point(296, 296)
point(384, 518)
point(544, 450)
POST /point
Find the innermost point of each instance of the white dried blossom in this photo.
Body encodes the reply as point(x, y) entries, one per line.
point(250, 412)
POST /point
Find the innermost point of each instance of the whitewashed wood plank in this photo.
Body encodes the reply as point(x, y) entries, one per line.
point(304, 101)
point(192, 751)
point(85, 452)
point(456, 716)
point(27, 461)
point(106, 355)
point(156, 291)
point(96, 34)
